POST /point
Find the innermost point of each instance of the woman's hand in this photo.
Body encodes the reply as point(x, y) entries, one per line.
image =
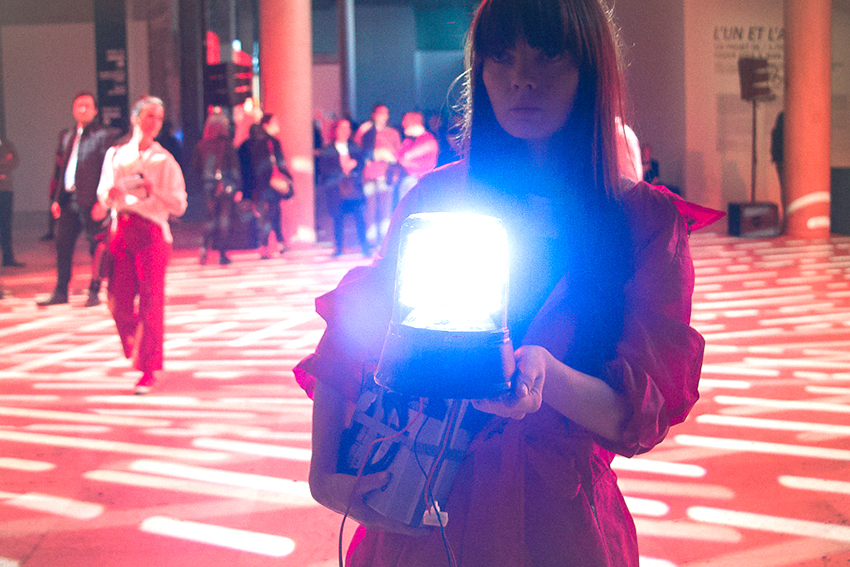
point(116, 193)
point(98, 212)
point(143, 189)
point(336, 491)
point(347, 164)
point(527, 397)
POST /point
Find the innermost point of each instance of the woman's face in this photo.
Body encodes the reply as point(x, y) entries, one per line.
point(531, 92)
point(380, 116)
point(343, 131)
point(149, 120)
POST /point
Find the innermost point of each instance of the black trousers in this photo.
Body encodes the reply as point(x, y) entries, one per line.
point(353, 207)
point(270, 217)
point(71, 222)
point(220, 207)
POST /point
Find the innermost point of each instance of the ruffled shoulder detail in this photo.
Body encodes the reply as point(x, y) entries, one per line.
point(695, 216)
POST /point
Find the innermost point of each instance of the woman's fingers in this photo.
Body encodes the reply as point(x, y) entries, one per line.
point(524, 383)
point(508, 405)
point(371, 482)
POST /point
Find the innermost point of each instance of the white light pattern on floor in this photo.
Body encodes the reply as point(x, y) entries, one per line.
point(217, 455)
point(253, 542)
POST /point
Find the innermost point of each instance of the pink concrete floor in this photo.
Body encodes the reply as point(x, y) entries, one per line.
point(211, 467)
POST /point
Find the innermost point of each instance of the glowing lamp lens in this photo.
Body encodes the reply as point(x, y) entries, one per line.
point(453, 272)
point(448, 337)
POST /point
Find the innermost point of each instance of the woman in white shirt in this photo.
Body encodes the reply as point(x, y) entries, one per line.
point(143, 185)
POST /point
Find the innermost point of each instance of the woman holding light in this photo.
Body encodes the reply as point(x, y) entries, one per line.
point(599, 305)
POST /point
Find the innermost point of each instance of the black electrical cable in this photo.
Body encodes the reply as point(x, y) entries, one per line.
point(429, 495)
point(360, 474)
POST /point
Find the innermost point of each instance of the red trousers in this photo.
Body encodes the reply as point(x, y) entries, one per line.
point(141, 255)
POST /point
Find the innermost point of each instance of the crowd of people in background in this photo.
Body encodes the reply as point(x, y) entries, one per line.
point(121, 189)
point(239, 167)
point(364, 175)
point(362, 170)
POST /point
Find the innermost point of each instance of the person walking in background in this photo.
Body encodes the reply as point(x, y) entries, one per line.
point(217, 166)
point(143, 184)
point(419, 152)
point(8, 162)
point(380, 143)
point(266, 180)
point(340, 170)
point(79, 159)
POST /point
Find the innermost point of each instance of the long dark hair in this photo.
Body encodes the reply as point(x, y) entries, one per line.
point(585, 176)
point(583, 29)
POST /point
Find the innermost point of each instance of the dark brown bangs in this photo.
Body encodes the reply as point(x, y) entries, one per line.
point(541, 22)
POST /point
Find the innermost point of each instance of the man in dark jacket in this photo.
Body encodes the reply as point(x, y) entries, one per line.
point(341, 178)
point(79, 160)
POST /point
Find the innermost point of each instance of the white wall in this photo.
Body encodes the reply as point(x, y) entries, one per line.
point(652, 32)
point(718, 123)
point(389, 68)
point(40, 83)
point(327, 94)
point(385, 49)
point(841, 83)
point(38, 102)
point(327, 97)
point(138, 64)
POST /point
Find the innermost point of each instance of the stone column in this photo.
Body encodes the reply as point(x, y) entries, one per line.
point(808, 59)
point(286, 66)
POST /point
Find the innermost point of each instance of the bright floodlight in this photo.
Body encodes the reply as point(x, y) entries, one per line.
point(448, 337)
point(453, 272)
